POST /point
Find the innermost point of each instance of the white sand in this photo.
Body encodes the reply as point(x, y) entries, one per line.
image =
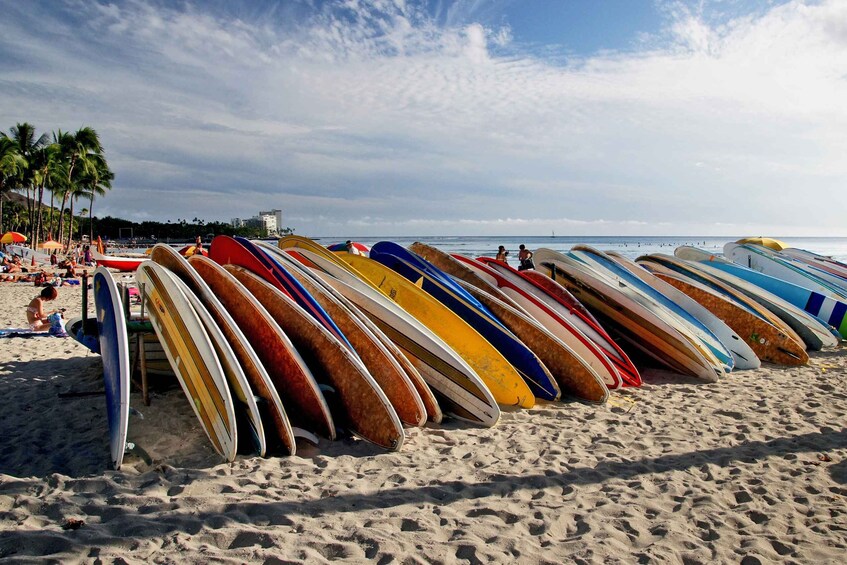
point(674, 472)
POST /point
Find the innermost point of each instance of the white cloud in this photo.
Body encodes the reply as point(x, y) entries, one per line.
point(380, 110)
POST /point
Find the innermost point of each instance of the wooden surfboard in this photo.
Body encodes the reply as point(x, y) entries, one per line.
point(240, 251)
point(574, 375)
point(292, 380)
point(639, 326)
point(460, 391)
point(554, 318)
point(192, 356)
point(458, 270)
point(383, 367)
point(541, 383)
point(424, 393)
point(743, 355)
point(360, 403)
point(767, 341)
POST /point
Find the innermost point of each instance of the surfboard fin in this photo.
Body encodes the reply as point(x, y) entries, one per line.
point(306, 435)
point(135, 412)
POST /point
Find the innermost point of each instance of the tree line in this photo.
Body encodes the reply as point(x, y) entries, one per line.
point(68, 166)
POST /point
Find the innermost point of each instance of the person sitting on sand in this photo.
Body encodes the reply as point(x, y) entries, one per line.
point(502, 254)
point(70, 273)
point(35, 316)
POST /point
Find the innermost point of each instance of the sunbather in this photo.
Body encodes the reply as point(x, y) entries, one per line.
point(35, 315)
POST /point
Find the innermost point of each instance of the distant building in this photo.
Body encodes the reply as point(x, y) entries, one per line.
point(277, 214)
point(270, 221)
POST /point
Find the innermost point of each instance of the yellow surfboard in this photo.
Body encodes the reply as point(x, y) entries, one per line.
point(504, 382)
point(192, 356)
point(294, 242)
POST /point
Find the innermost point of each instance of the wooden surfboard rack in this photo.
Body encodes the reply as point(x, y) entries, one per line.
point(135, 328)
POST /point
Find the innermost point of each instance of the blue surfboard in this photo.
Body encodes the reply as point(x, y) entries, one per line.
point(391, 248)
point(828, 309)
point(114, 349)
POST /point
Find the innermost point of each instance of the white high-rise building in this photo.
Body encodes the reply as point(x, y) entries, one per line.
point(270, 221)
point(277, 215)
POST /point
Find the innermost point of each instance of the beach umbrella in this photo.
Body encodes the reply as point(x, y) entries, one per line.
point(50, 244)
point(360, 247)
point(12, 237)
point(768, 242)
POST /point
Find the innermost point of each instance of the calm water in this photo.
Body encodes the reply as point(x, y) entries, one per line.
point(475, 246)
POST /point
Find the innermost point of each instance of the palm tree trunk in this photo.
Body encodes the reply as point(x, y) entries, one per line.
point(50, 217)
point(38, 225)
point(71, 224)
point(91, 218)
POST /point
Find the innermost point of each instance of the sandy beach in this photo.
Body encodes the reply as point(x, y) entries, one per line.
point(752, 469)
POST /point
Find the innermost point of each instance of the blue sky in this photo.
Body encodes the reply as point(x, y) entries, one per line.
point(388, 117)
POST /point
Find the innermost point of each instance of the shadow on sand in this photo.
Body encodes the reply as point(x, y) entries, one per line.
point(438, 493)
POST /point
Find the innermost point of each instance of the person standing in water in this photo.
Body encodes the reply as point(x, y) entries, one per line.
point(525, 258)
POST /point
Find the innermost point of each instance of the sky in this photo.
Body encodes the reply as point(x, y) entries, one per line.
point(438, 117)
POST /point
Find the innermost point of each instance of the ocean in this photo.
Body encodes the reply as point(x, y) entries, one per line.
point(630, 246)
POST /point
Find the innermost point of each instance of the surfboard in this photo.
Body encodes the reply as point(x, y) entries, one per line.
point(820, 261)
point(743, 355)
point(524, 360)
point(497, 373)
point(573, 374)
point(237, 356)
point(192, 356)
point(359, 403)
point(814, 332)
point(456, 269)
point(826, 308)
point(460, 391)
point(293, 385)
point(640, 326)
point(552, 320)
point(581, 333)
point(381, 364)
point(769, 342)
point(240, 251)
point(691, 271)
point(114, 349)
point(757, 259)
point(701, 337)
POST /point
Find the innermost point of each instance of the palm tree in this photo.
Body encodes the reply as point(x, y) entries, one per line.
point(101, 182)
point(28, 146)
point(12, 165)
point(78, 150)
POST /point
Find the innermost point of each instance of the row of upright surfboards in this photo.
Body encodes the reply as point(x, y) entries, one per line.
point(275, 343)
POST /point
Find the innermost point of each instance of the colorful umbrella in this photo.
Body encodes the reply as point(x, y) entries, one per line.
point(769, 242)
point(12, 237)
point(361, 247)
point(50, 244)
